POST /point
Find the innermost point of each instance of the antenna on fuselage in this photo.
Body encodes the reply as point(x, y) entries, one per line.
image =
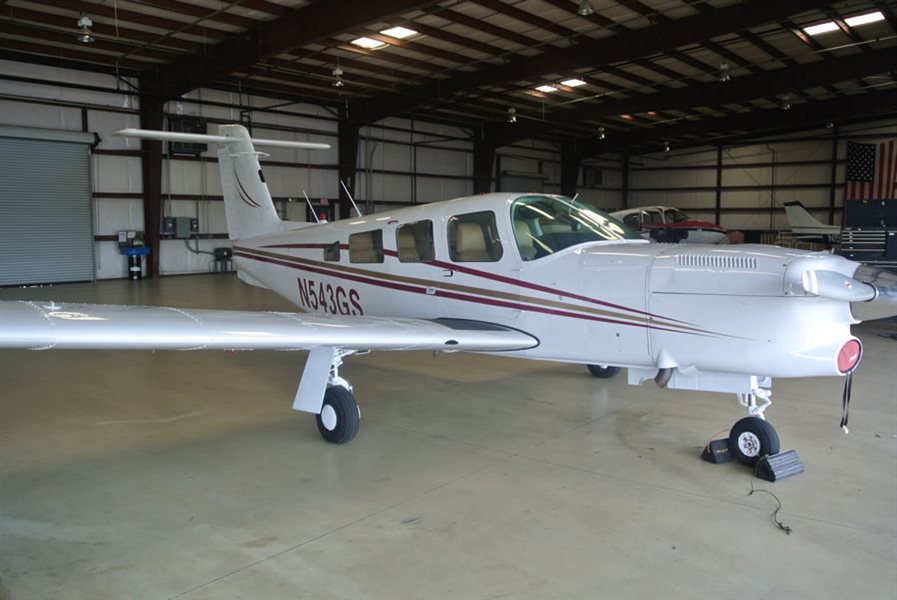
point(312, 208)
point(351, 199)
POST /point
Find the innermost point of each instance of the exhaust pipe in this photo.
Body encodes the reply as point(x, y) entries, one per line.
point(884, 303)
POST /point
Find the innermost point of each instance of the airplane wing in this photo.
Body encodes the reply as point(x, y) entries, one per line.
point(42, 325)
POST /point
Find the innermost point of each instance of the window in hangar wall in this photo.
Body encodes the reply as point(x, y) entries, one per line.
point(46, 233)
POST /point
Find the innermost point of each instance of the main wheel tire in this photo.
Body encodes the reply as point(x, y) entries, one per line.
point(603, 372)
point(340, 416)
point(751, 438)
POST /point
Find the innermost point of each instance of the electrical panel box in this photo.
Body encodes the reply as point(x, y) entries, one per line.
point(180, 227)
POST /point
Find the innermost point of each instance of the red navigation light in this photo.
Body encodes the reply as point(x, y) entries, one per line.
point(849, 355)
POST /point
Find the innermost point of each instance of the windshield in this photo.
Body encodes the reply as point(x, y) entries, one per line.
point(544, 225)
point(674, 215)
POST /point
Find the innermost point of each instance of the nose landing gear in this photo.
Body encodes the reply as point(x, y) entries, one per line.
point(751, 438)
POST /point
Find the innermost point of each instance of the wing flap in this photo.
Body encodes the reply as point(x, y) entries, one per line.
point(46, 325)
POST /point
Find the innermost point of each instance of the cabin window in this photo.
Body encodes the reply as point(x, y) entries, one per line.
point(331, 252)
point(654, 217)
point(634, 220)
point(261, 176)
point(474, 238)
point(414, 242)
point(366, 247)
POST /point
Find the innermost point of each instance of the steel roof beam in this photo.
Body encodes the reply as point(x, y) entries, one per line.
point(590, 53)
point(319, 21)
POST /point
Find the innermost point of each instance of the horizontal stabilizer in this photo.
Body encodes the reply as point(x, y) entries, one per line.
point(177, 136)
point(47, 325)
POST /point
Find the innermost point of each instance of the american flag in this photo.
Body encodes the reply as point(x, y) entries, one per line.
point(871, 171)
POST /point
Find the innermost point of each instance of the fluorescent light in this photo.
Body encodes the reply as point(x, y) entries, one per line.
point(546, 88)
point(863, 19)
point(368, 43)
point(573, 82)
point(821, 28)
point(399, 32)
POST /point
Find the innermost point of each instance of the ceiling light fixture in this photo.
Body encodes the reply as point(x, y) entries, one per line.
point(368, 43)
point(573, 82)
point(546, 88)
point(399, 33)
point(872, 17)
point(821, 28)
point(786, 103)
point(85, 33)
point(601, 134)
point(585, 8)
point(724, 74)
point(337, 77)
point(666, 146)
point(512, 115)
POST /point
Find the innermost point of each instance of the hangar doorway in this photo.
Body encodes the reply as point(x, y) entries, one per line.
point(46, 233)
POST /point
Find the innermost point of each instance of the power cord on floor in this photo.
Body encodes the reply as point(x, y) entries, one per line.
point(775, 513)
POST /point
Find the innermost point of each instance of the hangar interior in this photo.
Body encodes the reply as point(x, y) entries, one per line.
point(160, 475)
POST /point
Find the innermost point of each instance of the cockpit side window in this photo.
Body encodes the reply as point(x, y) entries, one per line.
point(473, 237)
point(414, 242)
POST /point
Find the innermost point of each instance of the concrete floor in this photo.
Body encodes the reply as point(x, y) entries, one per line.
point(186, 475)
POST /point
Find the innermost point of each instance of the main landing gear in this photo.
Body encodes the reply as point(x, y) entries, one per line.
point(328, 396)
point(340, 415)
point(603, 371)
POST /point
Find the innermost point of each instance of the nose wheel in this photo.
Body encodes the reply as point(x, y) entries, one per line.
point(751, 438)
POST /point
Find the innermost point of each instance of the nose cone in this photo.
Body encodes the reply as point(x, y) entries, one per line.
point(885, 302)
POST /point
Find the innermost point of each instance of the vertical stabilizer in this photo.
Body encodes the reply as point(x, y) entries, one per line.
point(247, 201)
point(799, 216)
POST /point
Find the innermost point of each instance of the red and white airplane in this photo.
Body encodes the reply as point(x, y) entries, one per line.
point(671, 225)
point(536, 276)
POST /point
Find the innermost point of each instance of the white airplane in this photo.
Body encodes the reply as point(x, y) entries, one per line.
point(805, 226)
point(670, 225)
point(530, 275)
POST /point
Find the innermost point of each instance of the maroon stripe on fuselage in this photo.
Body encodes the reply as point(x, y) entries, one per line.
point(502, 279)
point(542, 288)
point(310, 246)
point(447, 294)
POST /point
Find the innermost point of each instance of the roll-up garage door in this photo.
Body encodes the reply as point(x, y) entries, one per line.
point(46, 233)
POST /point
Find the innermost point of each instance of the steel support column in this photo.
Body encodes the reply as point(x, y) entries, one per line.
point(625, 180)
point(151, 117)
point(483, 157)
point(348, 163)
point(833, 180)
point(719, 183)
point(569, 169)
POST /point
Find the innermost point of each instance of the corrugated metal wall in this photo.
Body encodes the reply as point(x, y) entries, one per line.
point(45, 229)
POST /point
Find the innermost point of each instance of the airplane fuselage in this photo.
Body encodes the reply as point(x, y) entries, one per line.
point(694, 308)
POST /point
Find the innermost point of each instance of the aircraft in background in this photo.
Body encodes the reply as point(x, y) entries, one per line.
point(806, 227)
point(670, 225)
point(535, 276)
